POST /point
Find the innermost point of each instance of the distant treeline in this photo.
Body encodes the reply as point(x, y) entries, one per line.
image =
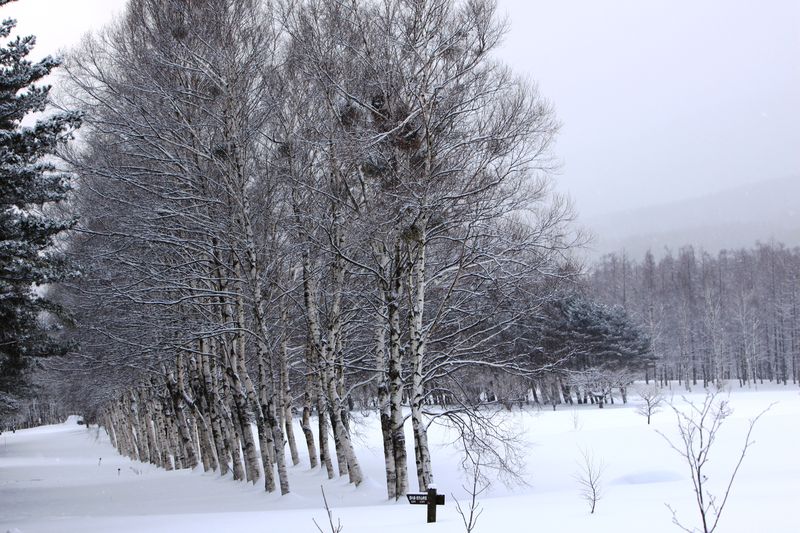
point(35, 412)
point(735, 315)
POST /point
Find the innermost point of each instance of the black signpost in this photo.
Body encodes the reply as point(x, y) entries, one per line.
point(431, 499)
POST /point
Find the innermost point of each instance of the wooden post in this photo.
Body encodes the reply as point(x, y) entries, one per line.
point(431, 503)
point(430, 498)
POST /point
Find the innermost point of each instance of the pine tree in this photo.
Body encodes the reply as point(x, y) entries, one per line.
point(591, 334)
point(29, 187)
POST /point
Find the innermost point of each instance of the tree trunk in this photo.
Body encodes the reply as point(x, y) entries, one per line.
point(215, 412)
point(181, 421)
point(417, 348)
point(307, 408)
point(381, 378)
point(201, 415)
point(160, 430)
point(286, 396)
point(317, 365)
point(230, 433)
point(396, 390)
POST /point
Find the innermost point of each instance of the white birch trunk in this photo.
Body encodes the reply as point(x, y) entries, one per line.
point(241, 422)
point(160, 430)
point(264, 435)
point(270, 402)
point(308, 398)
point(395, 379)
point(184, 431)
point(174, 440)
point(230, 434)
point(314, 364)
point(215, 412)
point(132, 420)
point(146, 404)
point(348, 463)
point(197, 402)
point(140, 419)
point(286, 394)
point(109, 427)
point(417, 349)
point(385, 416)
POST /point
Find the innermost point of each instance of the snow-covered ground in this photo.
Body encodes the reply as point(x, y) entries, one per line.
point(66, 478)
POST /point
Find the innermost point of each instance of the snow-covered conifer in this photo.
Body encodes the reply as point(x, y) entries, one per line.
point(29, 185)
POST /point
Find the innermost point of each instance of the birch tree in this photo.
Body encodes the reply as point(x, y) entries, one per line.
point(357, 191)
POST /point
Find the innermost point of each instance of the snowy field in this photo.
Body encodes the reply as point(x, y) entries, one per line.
point(52, 479)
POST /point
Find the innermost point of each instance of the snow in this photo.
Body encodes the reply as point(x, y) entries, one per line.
point(67, 478)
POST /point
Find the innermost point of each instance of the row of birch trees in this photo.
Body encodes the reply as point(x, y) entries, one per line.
point(730, 316)
point(290, 209)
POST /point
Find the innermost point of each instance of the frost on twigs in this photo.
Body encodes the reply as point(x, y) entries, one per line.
point(698, 429)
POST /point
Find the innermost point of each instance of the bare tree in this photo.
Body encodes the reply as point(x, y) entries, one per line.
point(652, 398)
point(589, 478)
point(335, 528)
point(698, 427)
point(416, 168)
point(478, 485)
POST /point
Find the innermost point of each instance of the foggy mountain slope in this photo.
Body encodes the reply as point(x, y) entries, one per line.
point(734, 218)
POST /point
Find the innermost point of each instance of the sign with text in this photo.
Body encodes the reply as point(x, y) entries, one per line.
point(421, 498)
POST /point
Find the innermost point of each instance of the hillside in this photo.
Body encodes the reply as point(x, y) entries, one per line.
point(734, 218)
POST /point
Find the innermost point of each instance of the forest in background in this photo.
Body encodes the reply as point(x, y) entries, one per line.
point(730, 316)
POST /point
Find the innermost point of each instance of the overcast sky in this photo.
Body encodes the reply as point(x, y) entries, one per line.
point(659, 99)
point(664, 99)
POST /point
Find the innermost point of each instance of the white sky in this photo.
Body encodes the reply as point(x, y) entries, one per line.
point(664, 99)
point(659, 99)
point(59, 24)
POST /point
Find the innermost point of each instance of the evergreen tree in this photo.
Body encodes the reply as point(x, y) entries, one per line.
point(587, 334)
point(29, 187)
